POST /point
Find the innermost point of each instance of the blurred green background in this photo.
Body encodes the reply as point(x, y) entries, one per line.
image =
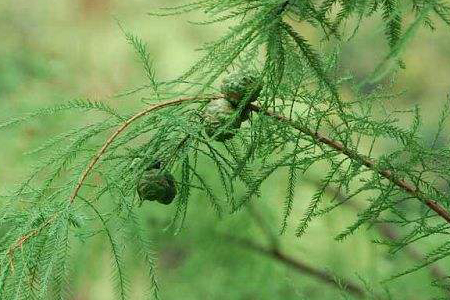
point(52, 51)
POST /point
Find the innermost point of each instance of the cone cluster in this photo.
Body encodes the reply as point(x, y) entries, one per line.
point(236, 88)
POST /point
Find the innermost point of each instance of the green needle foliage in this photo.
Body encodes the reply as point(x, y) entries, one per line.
point(85, 184)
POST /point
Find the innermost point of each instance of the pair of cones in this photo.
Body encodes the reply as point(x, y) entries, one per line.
point(219, 114)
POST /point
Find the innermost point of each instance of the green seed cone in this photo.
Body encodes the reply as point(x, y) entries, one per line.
point(241, 85)
point(157, 185)
point(216, 115)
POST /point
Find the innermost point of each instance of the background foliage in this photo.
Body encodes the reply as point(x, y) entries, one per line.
point(63, 50)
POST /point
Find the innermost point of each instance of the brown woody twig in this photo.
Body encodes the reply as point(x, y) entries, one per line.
point(364, 160)
point(368, 162)
point(119, 130)
point(23, 239)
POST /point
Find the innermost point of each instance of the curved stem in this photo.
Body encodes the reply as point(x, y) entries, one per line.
point(119, 130)
point(364, 160)
point(23, 239)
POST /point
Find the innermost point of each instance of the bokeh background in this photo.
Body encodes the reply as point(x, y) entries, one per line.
point(52, 51)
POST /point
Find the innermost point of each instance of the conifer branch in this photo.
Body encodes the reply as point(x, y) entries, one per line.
point(368, 162)
point(119, 130)
point(35, 231)
point(363, 160)
point(23, 239)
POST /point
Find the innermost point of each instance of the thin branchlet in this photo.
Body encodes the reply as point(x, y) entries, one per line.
point(364, 160)
point(119, 130)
